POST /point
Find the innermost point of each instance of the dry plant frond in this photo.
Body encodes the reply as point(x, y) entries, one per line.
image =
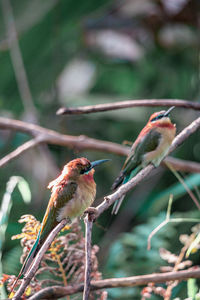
point(63, 263)
point(177, 262)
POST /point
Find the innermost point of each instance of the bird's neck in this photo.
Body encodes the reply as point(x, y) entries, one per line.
point(163, 123)
point(87, 177)
point(167, 125)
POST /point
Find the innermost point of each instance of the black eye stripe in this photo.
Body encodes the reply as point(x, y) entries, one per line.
point(157, 118)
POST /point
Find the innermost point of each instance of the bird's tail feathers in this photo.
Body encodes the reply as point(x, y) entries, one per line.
point(36, 247)
point(122, 179)
point(28, 261)
point(117, 205)
point(118, 181)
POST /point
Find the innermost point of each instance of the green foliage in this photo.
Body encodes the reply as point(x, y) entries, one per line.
point(157, 201)
point(11, 261)
point(4, 219)
point(192, 288)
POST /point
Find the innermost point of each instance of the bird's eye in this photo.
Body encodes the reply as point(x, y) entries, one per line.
point(85, 170)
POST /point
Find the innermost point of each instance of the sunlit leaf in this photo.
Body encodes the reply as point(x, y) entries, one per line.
point(192, 288)
point(194, 246)
point(24, 189)
point(160, 199)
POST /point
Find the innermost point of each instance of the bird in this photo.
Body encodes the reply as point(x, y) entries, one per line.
point(72, 192)
point(151, 146)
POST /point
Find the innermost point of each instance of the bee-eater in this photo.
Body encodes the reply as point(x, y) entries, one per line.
point(151, 146)
point(71, 194)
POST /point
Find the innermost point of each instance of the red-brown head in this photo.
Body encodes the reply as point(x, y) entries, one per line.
point(76, 168)
point(161, 118)
point(81, 166)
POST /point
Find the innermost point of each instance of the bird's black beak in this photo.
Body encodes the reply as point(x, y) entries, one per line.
point(166, 114)
point(98, 162)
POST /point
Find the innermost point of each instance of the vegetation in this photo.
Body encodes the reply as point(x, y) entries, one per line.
point(97, 52)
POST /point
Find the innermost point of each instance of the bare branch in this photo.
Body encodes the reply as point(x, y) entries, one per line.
point(82, 143)
point(125, 104)
point(184, 184)
point(57, 291)
point(88, 264)
point(182, 165)
point(26, 146)
point(52, 137)
point(31, 272)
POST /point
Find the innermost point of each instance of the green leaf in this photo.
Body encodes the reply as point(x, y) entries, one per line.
point(24, 189)
point(157, 202)
point(192, 288)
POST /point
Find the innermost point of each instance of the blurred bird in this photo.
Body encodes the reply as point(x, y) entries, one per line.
point(151, 146)
point(71, 194)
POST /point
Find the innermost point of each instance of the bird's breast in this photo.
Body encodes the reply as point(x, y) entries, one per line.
point(83, 198)
point(167, 136)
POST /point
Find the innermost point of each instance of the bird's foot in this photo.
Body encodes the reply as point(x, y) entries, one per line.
point(68, 225)
point(92, 213)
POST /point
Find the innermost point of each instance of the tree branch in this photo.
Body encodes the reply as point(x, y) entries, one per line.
point(125, 104)
point(88, 264)
point(31, 272)
point(58, 291)
point(78, 142)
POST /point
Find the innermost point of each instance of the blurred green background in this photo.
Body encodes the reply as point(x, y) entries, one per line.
point(89, 52)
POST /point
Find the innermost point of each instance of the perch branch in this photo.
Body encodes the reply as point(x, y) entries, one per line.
point(125, 104)
point(31, 272)
point(88, 264)
point(78, 142)
point(55, 292)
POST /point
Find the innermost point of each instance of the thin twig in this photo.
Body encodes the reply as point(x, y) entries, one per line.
point(83, 143)
point(27, 278)
point(168, 220)
point(161, 224)
point(125, 104)
point(88, 264)
point(184, 184)
point(55, 292)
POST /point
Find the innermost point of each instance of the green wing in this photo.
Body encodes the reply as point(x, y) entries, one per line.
point(59, 197)
point(133, 163)
point(148, 143)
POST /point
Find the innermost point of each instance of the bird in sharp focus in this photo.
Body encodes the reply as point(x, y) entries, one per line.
point(71, 194)
point(151, 146)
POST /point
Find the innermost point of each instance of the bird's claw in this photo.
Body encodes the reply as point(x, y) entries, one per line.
point(92, 213)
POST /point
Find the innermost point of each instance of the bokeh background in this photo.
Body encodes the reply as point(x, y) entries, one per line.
point(67, 53)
